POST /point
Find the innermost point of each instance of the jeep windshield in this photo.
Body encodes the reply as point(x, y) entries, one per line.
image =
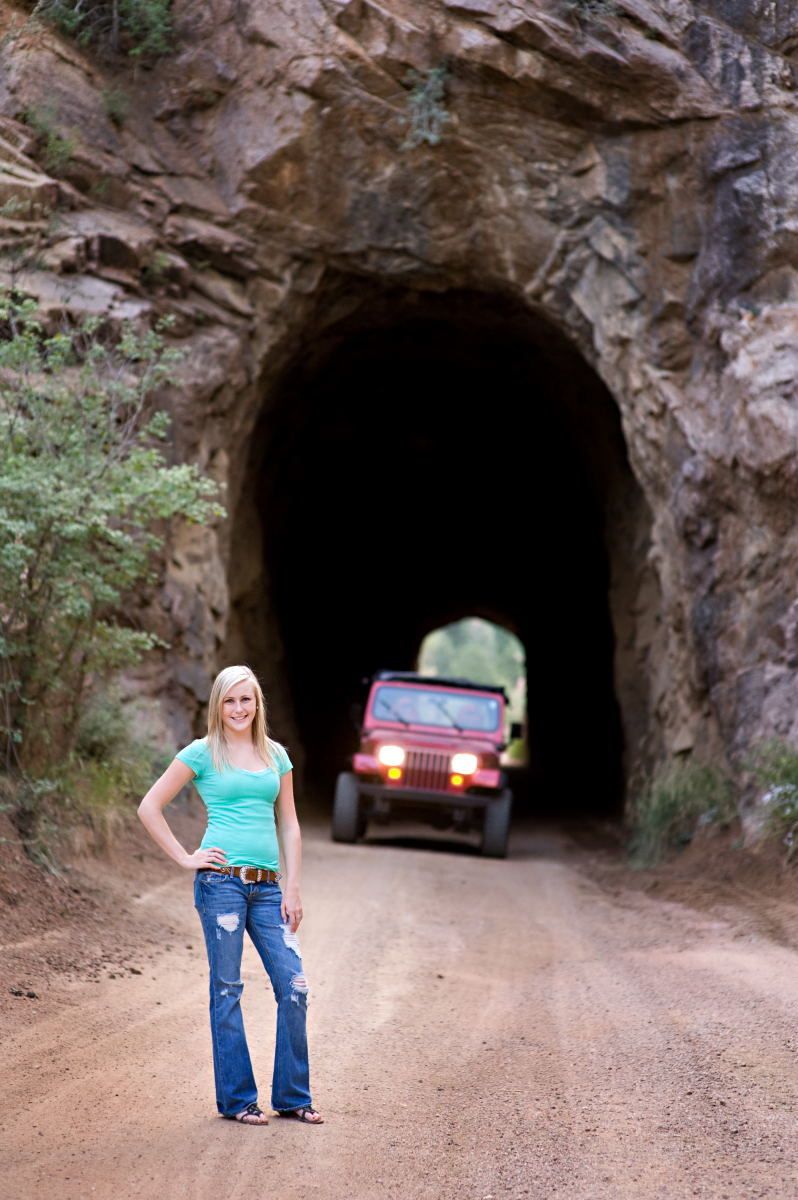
point(439, 709)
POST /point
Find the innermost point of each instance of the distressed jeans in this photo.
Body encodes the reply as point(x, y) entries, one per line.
point(227, 907)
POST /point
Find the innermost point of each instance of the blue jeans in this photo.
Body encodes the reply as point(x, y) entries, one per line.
point(227, 907)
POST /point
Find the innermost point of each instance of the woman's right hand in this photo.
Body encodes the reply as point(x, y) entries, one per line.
point(204, 858)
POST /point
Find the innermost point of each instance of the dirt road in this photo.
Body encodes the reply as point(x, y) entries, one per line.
point(478, 1029)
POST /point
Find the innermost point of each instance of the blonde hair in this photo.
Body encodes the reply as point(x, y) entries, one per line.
point(265, 747)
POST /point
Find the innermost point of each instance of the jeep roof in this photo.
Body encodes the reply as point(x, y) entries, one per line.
point(436, 680)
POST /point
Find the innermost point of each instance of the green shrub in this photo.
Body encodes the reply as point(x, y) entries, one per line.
point(142, 28)
point(85, 497)
point(679, 798)
point(28, 803)
point(58, 147)
point(111, 766)
point(155, 271)
point(774, 765)
point(426, 103)
point(112, 762)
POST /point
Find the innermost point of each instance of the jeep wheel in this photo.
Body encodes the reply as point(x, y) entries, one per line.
point(496, 825)
point(347, 823)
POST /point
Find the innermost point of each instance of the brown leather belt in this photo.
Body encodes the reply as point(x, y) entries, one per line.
point(249, 874)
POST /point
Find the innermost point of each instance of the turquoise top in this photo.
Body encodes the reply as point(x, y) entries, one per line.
point(240, 806)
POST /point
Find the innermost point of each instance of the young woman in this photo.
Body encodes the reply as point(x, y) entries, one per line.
point(243, 776)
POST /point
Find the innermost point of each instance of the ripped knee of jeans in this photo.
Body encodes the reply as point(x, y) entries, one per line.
point(299, 989)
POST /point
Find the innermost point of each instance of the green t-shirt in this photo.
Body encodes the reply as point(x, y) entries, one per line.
point(240, 806)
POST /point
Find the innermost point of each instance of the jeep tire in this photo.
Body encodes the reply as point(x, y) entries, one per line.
point(347, 822)
point(496, 825)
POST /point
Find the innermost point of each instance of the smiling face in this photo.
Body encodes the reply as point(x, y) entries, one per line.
point(238, 707)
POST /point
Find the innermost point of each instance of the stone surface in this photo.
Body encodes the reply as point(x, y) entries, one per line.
point(628, 179)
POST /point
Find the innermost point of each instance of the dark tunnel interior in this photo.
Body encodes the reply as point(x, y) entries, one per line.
point(429, 458)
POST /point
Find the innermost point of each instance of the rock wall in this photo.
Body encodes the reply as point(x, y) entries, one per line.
point(625, 175)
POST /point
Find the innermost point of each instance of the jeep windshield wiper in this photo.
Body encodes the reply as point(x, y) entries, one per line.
point(442, 706)
point(392, 713)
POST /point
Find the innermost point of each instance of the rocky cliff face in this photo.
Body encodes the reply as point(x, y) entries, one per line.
point(617, 178)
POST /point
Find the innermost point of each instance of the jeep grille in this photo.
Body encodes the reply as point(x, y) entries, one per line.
point(427, 770)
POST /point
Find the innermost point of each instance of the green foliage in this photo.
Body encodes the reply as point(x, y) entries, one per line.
point(111, 762)
point(476, 649)
point(485, 653)
point(426, 103)
point(29, 803)
point(774, 764)
point(117, 104)
point(112, 765)
point(679, 798)
point(15, 207)
point(58, 147)
point(85, 494)
point(142, 28)
point(156, 270)
point(149, 25)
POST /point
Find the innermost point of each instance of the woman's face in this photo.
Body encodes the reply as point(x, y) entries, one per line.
point(238, 707)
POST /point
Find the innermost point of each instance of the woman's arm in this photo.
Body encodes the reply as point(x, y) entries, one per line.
point(162, 792)
point(291, 846)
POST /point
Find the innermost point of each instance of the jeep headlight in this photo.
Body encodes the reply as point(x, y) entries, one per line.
point(464, 764)
point(392, 756)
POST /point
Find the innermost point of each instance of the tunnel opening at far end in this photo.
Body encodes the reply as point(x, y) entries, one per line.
point(482, 652)
point(426, 457)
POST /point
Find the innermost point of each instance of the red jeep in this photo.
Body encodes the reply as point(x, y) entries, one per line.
point(429, 747)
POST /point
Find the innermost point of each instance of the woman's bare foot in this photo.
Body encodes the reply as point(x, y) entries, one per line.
point(251, 1115)
point(307, 1115)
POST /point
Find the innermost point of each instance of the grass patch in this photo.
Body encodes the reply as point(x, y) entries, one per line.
point(680, 798)
point(110, 769)
point(774, 765)
point(57, 148)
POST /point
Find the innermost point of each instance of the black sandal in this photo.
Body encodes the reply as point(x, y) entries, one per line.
point(251, 1110)
point(298, 1114)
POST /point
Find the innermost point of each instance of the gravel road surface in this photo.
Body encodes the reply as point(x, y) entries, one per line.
point(479, 1030)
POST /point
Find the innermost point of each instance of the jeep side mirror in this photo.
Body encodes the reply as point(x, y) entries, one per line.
point(356, 715)
point(516, 731)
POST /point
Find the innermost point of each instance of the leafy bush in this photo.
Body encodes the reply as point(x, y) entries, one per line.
point(774, 764)
point(426, 104)
point(679, 798)
point(58, 147)
point(111, 766)
point(141, 27)
point(112, 761)
point(85, 494)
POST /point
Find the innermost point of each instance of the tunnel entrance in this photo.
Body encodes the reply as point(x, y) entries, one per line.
point(424, 457)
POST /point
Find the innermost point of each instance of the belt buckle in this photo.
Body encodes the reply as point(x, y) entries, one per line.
point(242, 874)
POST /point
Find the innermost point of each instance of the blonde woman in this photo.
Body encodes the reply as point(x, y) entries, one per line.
point(243, 777)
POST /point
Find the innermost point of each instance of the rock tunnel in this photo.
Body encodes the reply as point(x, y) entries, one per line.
point(426, 457)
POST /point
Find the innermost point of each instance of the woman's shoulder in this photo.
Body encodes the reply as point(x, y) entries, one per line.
point(196, 754)
point(280, 757)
